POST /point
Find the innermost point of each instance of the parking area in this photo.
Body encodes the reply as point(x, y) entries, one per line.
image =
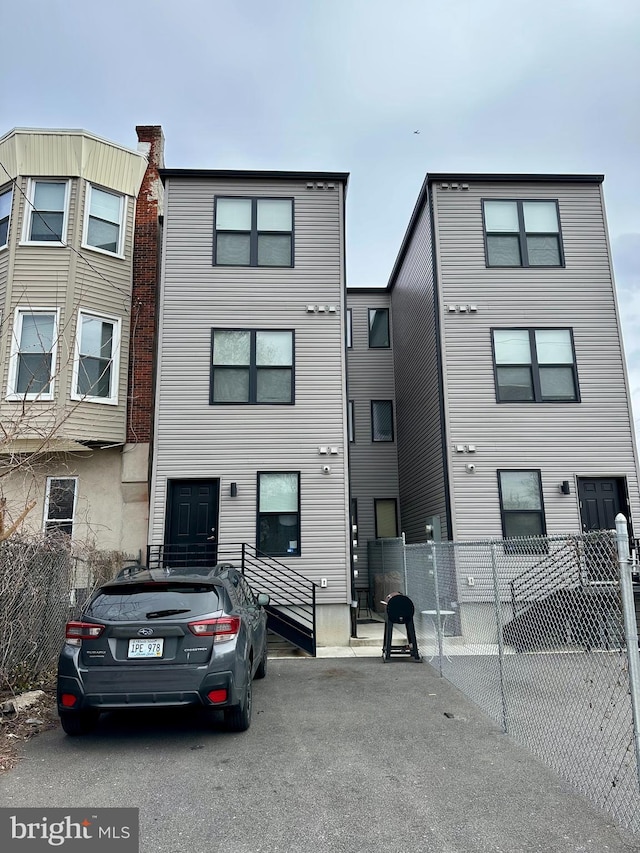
point(343, 755)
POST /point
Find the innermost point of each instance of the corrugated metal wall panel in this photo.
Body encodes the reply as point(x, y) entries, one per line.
point(420, 449)
point(232, 443)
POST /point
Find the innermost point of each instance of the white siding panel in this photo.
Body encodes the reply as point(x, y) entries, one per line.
point(233, 443)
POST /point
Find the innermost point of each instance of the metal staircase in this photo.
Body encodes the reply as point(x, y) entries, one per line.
point(291, 612)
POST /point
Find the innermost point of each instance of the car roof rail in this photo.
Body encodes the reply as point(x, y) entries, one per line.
point(132, 569)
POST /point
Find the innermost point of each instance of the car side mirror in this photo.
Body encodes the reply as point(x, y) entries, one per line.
point(263, 599)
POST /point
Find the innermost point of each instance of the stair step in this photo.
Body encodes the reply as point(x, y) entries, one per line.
point(278, 647)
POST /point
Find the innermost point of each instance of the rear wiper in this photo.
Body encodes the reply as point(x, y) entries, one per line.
point(156, 614)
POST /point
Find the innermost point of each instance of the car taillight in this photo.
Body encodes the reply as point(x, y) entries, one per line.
point(222, 628)
point(76, 632)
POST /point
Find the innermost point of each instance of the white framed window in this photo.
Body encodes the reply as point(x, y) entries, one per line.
point(60, 505)
point(47, 208)
point(278, 532)
point(104, 221)
point(34, 348)
point(6, 197)
point(97, 358)
point(349, 328)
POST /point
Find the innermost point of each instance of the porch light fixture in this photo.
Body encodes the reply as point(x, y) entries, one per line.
point(233, 490)
point(565, 488)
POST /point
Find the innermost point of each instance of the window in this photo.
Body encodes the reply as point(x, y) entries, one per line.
point(279, 513)
point(33, 354)
point(104, 218)
point(386, 518)
point(351, 422)
point(381, 420)
point(254, 232)
point(521, 503)
point(349, 329)
point(95, 372)
point(522, 234)
point(378, 328)
point(46, 219)
point(535, 365)
point(252, 367)
point(5, 212)
point(60, 504)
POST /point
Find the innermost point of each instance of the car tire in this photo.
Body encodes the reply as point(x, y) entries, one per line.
point(78, 722)
point(238, 717)
point(261, 671)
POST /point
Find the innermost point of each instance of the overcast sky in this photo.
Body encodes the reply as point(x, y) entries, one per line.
point(492, 85)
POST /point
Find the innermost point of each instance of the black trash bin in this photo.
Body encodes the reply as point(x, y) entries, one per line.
point(400, 611)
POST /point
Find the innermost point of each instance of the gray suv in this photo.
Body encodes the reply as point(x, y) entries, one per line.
point(165, 638)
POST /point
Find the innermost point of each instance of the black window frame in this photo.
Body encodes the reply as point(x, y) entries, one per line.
point(393, 435)
point(516, 544)
point(522, 235)
point(371, 311)
point(351, 421)
point(535, 366)
point(253, 369)
point(377, 501)
point(253, 232)
point(260, 515)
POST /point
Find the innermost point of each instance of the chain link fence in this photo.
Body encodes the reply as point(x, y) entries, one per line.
point(43, 585)
point(532, 630)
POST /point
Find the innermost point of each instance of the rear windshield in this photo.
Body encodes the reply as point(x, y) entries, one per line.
point(160, 602)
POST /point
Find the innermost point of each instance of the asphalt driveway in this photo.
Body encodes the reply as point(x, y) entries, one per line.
point(343, 755)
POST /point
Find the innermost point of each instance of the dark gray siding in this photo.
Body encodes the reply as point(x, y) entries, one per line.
point(373, 466)
point(418, 405)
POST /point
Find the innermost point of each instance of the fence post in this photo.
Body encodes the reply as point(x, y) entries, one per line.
point(630, 629)
point(496, 598)
point(437, 594)
point(404, 562)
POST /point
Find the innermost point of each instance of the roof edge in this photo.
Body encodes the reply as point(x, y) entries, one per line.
point(342, 177)
point(514, 177)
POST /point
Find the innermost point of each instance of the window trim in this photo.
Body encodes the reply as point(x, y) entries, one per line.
point(45, 516)
point(388, 313)
point(112, 399)
point(119, 253)
point(376, 501)
point(393, 434)
point(14, 358)
point(540, 512)
point(252, 367)
point(349, 329)
point(253, 233)
point(30, 210)
point(260, 514)
point(534, 365)
point(351, 422)
point(522, 236)
point(8, 191)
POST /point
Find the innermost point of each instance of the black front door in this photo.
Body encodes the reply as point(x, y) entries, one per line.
point(601, 499)
point(191, 532)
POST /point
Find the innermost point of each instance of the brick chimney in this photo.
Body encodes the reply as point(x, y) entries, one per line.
point(146, 276)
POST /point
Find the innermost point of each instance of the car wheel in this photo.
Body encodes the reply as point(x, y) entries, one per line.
point(78, 722)
point(261, 671)
point(238, 718)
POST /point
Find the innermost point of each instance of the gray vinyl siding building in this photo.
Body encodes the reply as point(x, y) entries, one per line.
point(373, 465)
point(68, 431)
point(446, 312)
point(199, 440)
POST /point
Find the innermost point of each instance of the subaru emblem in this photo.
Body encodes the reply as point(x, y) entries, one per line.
point(145, 632)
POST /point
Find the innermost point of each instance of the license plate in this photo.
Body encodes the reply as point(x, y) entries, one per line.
point(145, 648)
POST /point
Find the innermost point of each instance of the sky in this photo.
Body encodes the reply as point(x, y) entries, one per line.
point(341, 85)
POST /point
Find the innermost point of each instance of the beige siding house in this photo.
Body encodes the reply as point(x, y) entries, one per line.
point(251, 416)
point(512, 393)
point(67, 207)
